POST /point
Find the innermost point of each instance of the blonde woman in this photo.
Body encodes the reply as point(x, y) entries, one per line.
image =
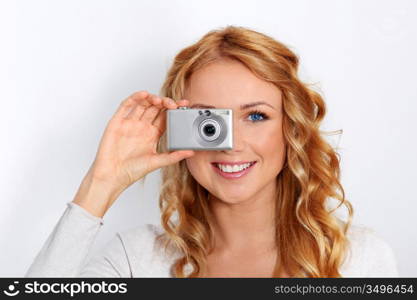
point(257, 210)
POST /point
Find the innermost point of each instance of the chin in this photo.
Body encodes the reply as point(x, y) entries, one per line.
point(231, 199)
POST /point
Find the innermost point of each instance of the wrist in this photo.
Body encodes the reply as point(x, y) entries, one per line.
point(96, 196)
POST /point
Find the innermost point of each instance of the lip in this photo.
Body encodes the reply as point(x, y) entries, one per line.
point(233, 175)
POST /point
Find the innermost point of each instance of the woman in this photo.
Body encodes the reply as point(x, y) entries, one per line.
point(258, 210)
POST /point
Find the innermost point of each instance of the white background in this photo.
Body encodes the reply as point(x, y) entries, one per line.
point(66, 65)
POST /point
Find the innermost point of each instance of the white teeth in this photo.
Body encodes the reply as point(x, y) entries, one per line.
point(235, 168)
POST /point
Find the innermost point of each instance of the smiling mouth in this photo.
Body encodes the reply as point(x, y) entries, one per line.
point(232, 169)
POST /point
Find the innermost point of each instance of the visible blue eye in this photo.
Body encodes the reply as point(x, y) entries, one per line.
point(259, 116)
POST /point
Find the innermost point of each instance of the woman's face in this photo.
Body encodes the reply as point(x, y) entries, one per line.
point(257, 136)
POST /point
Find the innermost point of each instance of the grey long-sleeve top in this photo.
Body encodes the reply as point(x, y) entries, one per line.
point(135, 252)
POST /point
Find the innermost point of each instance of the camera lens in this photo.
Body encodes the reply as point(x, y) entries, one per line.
point(209, 130)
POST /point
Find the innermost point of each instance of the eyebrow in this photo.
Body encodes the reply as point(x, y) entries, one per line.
point(242, 107)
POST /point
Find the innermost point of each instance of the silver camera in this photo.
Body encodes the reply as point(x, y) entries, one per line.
point(199, 129)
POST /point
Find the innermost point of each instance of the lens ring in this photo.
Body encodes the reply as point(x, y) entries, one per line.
point(210, 123)
point(221, 130)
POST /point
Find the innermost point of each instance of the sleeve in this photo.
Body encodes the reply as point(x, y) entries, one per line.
point(381, 258)
point(65, 251)
point(111, 261)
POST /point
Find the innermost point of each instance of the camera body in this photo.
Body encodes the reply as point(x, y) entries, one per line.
point(199, 129)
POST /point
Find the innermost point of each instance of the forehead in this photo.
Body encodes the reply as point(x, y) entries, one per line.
point(229, 84)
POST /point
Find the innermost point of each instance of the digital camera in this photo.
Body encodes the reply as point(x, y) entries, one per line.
point(199, 129)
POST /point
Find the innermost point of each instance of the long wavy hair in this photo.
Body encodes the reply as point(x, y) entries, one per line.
point(311, 241)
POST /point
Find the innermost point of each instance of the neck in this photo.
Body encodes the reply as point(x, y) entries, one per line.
point(245, 226)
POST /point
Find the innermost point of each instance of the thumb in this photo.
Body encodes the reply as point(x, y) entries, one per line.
point(168, 158)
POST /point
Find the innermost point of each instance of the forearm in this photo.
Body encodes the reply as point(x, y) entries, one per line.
point(65, 250)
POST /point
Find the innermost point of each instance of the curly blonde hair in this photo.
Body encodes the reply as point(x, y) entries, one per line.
point(311, 241)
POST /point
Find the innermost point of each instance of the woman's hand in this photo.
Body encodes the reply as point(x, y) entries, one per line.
point(128, 147)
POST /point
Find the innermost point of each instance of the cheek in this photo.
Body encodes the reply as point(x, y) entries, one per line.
point(270, 145)
point(196, 164)
point(191, 164)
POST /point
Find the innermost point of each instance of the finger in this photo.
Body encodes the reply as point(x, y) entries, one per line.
point(152, 111)
point(167, 158)
point(169, 103)
point(159, 121)
point(141, 107)
point(183, 102)
point(129, 103)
